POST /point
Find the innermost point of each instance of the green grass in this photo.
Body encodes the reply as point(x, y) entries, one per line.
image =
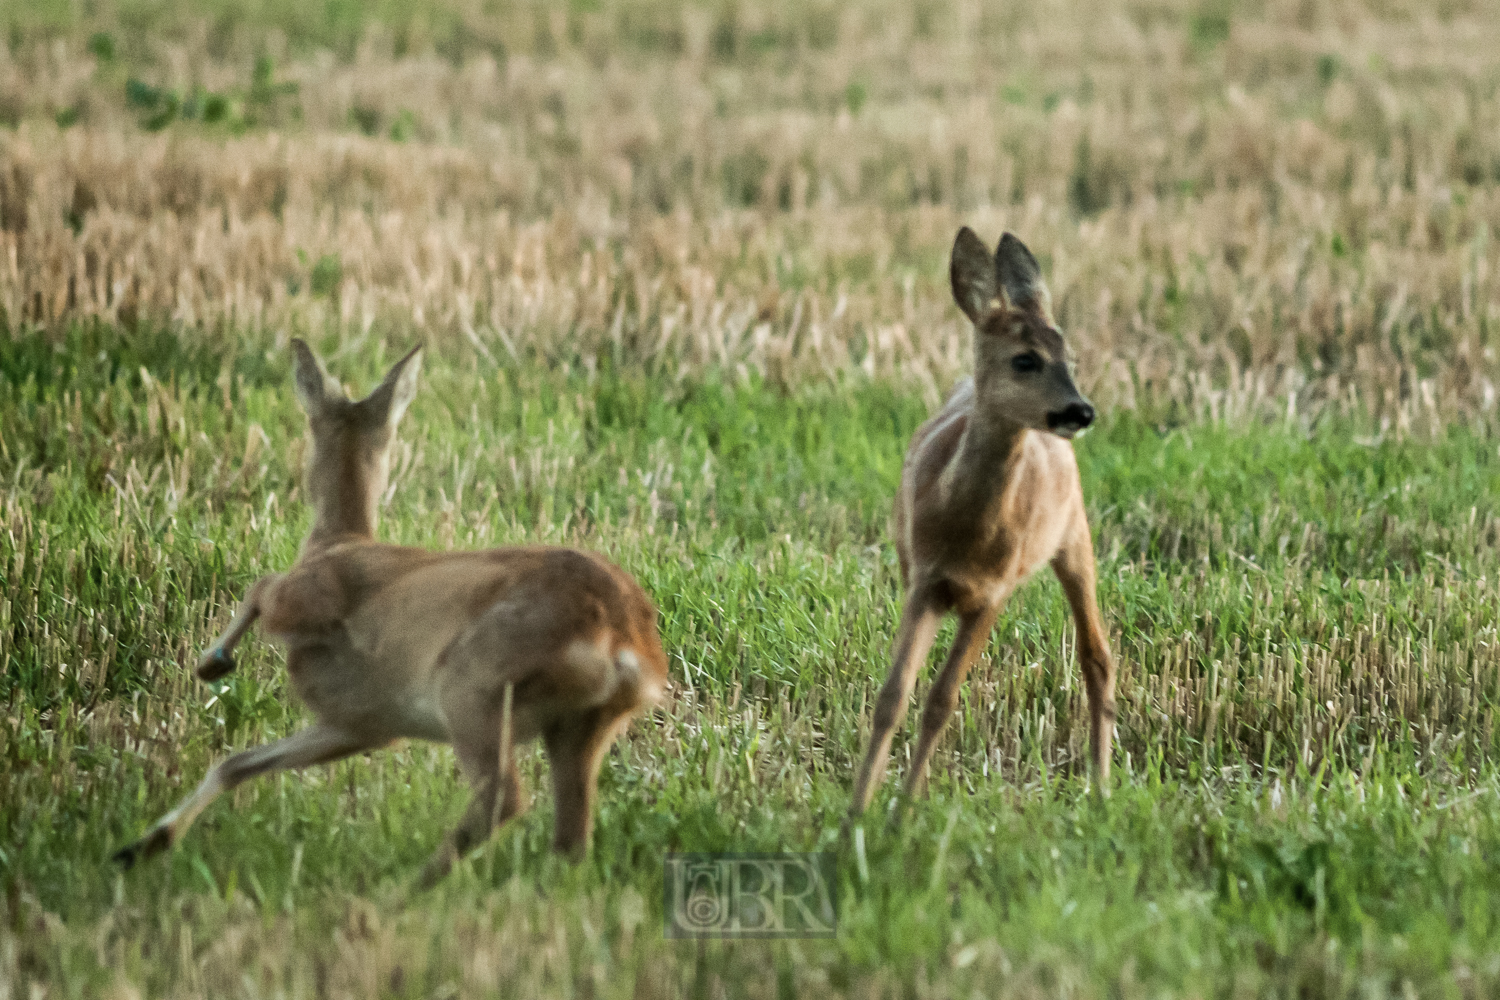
point(620, 194)
point(1306, 789)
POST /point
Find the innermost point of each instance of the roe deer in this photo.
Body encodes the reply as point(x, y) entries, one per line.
point(990, 492)
point(484, 650)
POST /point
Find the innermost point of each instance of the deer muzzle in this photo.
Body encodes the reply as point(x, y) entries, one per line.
point(1070, 419)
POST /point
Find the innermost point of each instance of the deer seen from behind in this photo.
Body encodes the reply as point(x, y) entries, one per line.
point(484, 650)
point(989, 494)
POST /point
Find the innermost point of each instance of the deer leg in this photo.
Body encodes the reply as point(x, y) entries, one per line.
point(485, 744)
point(497, 798)
point(316, 745)
point(974, 629)
point(1074, 566)
point(919, 622)
point(218, 660)
point(575, 749)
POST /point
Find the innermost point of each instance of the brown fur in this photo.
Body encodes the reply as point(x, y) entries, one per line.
point(989, 494)
point(485, 650)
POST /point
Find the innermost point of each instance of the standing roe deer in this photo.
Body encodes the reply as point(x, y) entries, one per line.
point(990, 492)
point(484, 650)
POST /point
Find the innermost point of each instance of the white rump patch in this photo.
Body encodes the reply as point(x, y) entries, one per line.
point(629, 668)
point(605, 674)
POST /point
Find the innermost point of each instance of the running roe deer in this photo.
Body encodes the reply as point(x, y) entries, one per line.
point(990, 492)
point(484, 650)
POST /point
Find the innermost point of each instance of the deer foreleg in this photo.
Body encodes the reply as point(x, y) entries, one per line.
point(919, 623)
point(316, 745)
point(218, 660)
point(1074, 566)
point(974, 629)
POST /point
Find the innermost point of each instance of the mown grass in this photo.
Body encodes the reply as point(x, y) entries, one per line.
point(1305, 623)
point(1239, 207)
point(680, 268)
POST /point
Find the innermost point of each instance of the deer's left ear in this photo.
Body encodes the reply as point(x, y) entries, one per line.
point(314, 388)
point(1020, 278)
point(391, 398)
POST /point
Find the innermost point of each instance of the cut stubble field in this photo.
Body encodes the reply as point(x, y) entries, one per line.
point(680, 274)
point(1305, 629)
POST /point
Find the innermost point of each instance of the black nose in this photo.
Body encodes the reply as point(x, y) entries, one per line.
point(1071, 418)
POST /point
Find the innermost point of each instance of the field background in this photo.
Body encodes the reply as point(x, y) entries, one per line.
point(680, 268)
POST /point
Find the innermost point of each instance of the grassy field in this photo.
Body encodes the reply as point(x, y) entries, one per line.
point(680, 269)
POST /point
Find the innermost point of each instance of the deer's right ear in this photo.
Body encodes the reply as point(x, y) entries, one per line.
point(309, 377)
point(391, 398)
point(971, 270)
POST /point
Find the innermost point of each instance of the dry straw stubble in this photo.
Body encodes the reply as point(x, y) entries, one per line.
point(1283, 209)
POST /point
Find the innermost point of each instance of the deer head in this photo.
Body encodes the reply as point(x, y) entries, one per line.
point(1020, 361)
point(350, 461)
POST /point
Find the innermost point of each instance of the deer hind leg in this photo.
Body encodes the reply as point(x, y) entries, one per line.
point(919, 622)
point(1074, 566)
point(316, 745)
point(575, 748)
point(482, 728)
point(498, 797)
point(974, 629)
point(218, 660)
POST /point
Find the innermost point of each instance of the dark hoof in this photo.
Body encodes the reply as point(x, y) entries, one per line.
point(571, 853)
point(215, 664)
point(432, 873)
point(154, 842)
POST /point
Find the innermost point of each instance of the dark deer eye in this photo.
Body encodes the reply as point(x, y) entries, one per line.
point(1026, 363)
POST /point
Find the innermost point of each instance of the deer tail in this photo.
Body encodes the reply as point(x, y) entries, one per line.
point(599, 677)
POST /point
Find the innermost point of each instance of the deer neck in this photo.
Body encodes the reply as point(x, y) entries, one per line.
point(987, 453)
point(345, 508)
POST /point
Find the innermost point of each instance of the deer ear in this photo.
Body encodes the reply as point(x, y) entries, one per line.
point(314, 388)
point(1020, 278)
point(391, 398)
point(971, 270)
